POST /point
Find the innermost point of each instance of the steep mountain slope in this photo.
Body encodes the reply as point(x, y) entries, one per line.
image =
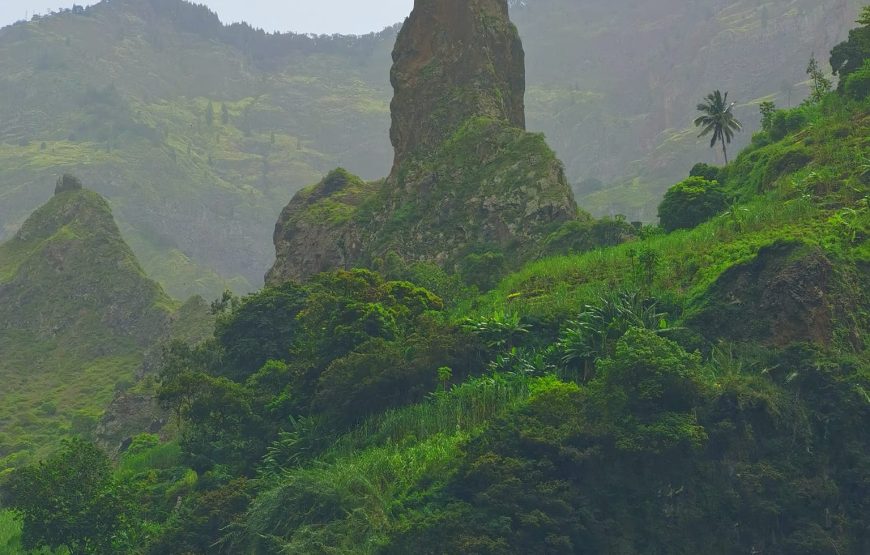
point(120, 95)
point(76, 314)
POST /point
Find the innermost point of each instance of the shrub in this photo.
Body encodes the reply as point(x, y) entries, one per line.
point(785, 122)
point(787, 162)
point(483, 270)
point(690, 203)
point(71, 500)
point(858, 83)
point(582, 236)
point(706, 171)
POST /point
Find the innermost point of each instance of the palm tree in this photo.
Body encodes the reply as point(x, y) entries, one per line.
point(718, 119)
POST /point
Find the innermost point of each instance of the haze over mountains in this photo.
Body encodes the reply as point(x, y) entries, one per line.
point(120, 95)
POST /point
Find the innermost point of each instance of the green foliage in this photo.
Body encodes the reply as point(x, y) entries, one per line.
point(483, 270)
point(784, 122)
point(340, 347)
point(201, 518)
point(850, 56)
point(70, 500)
point(858, 83)
point(767, 110)
point(785, 162)
point(261, 328)
point(706, 171)
point(820, 85)
point(657, 385)
point(595, 333)
point(581, 236)
point(690, 203)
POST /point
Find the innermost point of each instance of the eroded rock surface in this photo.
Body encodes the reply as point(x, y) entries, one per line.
point(454, 59)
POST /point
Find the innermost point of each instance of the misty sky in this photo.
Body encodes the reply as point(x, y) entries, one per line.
point(301, 16)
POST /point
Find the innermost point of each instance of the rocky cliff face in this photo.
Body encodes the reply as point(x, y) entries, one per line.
point(454, 59)
point(467, 177)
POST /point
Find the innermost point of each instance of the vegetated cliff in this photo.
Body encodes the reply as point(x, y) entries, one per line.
point(136, 410)
point(76, 314)
point(466, 176)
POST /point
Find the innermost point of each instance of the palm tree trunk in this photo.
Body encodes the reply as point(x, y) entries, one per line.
point(725, 152)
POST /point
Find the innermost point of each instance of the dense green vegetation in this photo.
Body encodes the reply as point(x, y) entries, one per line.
point(698, 387)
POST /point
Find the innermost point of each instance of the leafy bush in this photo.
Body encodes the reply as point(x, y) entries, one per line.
point(785, 122)
point(690, 203)
point(581, 236)
point(70, 500)
point(858, 83)
point(784, 163)
point(483, 270)
point(705, 171)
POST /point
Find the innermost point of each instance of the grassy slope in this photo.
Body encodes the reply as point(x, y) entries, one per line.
point(198, 203)
point(823, 203)
point(77, 313)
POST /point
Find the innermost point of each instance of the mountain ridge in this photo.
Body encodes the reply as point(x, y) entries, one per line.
point(76, 314)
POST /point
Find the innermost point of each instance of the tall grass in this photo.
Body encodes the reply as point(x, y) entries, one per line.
point(348, 506)
point(465, 408)
point(373, 478)
point(10, 533)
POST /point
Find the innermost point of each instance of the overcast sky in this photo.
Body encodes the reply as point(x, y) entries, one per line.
point(301, 16)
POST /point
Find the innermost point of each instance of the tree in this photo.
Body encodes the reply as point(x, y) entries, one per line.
point(820, 85)
point(849, 56)
point(225, 114)
point(209, 113)
point(767, 109)
point(690, 203)
point(70, 500)
point(718, 119)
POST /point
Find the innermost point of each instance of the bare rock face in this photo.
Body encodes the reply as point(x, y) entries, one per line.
point(453, 60)
point(467, 177)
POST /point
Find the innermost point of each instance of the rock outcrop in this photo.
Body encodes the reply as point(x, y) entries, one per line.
point(453, 60)
point(788, 293)
point(314, 228)
point(467, 178)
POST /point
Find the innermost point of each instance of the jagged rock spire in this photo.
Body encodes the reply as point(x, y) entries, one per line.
point(453, 60)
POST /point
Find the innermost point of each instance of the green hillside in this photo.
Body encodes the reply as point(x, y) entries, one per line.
point(704, 390)
point(97, 93)
point(76, 314)
point(697, 386)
